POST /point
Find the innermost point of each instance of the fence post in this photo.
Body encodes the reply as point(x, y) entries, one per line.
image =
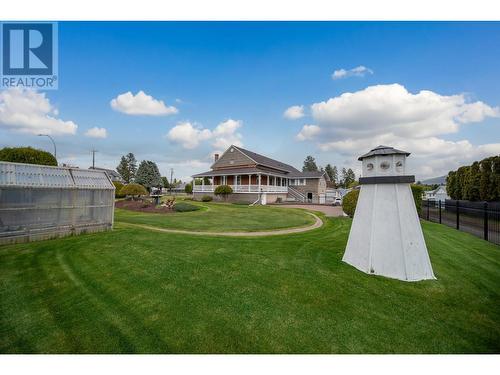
point(439, 206)
point(458, 215)
point(427, 202)
point(485, 208)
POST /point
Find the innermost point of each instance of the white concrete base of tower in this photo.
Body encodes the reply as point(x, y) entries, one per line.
point(386, 237)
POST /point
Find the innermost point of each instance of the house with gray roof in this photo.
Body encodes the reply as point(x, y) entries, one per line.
point(257, 178)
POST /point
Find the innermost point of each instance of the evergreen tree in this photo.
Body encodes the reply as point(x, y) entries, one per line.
point(148, 175)
point(331, 172)
point(127, 167)
point(310, 165)
point(473, 182)
point(451, 184)
point(164, 181)
point(343, 177)
point(485, 179)
point(495, 179)
point(350, 177)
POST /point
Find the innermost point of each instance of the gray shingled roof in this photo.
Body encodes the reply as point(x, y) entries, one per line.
point(383, 150)
point(229, 171)
point(307, 174)
point(265, 161)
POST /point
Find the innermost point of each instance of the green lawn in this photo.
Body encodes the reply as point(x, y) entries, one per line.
point(222, 217)
point(135, 291)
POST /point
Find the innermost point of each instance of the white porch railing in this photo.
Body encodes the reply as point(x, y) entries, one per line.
point(243, 188)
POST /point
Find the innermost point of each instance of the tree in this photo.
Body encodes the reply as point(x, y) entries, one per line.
point(495, 179)
point(343, 177)
point(350, 178)
point(472, 192)
point(485, 179)
point(451, 185)
point(27, 155)
point(310, 165)
point(133, 190)
point(148, 175)
point(331, 172)
point(165, 183)
point(127, 167)
point(188, 189)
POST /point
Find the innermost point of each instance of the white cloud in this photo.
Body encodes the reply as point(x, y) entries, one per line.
point(308, 132)
point(353, 123)
point(28, 111)
point(359, 71)
point(141, 104)
point(188, 135)
point(96, 132)
point(225, 134)
point(294, 112)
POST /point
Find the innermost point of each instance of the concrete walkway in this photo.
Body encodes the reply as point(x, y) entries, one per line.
point(332, 211)
point(317, 224)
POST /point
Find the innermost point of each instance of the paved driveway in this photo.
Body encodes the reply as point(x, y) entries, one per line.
point(327, 210)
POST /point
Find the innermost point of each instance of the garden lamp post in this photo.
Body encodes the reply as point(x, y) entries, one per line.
point(54, 143)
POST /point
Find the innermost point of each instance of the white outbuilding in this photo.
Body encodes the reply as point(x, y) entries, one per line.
point(386, 237)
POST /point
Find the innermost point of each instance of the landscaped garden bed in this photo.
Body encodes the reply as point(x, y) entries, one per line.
point(149, 206)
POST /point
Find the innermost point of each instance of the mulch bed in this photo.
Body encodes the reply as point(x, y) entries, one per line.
point(142, 206)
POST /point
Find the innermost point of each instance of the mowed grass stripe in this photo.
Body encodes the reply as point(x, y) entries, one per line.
point(137, 291)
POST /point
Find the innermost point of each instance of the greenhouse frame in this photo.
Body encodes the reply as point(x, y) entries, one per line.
point(42, 202)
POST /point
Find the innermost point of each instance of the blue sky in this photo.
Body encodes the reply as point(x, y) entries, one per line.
point(431, 88)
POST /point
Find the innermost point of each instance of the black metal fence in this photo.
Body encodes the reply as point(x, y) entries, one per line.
point(481, 219)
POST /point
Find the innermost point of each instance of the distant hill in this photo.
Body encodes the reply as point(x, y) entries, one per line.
point(435, 180)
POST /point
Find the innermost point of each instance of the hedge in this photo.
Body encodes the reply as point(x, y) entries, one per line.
point(133, 190)
point(27, 155)
point(118, 187)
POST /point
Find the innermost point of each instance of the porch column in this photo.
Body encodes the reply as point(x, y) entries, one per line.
point(258, 177)
point(235, 177)
point(249, 182)
point(194, 185)
point(203, 184)
point(267, 182)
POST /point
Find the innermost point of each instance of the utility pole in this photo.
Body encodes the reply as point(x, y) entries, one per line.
point(171, 180)
point(93, 158)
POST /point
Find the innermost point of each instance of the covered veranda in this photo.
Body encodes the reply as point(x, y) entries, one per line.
point(241, 181)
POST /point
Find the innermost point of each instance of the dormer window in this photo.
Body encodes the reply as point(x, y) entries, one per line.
point(369, 166)
point(385, 165)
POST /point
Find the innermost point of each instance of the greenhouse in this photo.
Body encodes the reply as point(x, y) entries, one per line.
point(41, 202)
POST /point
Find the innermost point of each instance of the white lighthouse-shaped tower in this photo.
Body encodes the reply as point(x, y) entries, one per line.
point(386, 237)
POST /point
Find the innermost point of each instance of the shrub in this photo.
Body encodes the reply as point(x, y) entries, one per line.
point(349, 202)
point(223, 190)
point(118, 187)
point(27, 155)
point(185, 207)
point(133, 190)
point(417, 192)
point(206, 198)
point(188, 189)
point(351, 199)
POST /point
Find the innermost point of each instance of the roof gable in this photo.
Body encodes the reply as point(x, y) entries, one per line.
point(267, 162)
